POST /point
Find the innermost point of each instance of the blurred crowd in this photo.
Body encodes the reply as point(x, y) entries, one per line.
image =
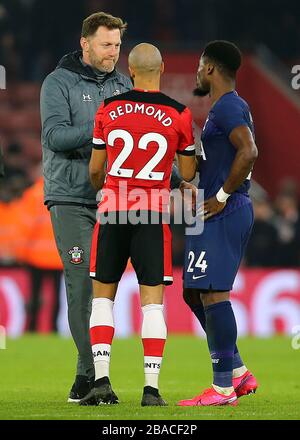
point(18, 173)
point(34, 34)
point(275, 239)
point(26, 236)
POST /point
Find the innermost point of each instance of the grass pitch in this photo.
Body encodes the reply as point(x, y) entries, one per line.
point(36, 373)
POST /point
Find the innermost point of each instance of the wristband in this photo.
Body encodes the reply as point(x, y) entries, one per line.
point(222, 196)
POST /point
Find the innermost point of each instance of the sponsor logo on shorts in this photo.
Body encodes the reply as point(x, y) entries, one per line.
point(76, 255)
point(200, 276)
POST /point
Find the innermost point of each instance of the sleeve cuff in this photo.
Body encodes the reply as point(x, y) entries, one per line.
point(187, 152)
point(99, 144)
point(99, 147)
point(98, 141)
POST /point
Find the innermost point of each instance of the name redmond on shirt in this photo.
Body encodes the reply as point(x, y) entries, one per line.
point(148, 110)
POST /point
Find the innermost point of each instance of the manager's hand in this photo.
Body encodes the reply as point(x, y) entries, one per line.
point(190, 196)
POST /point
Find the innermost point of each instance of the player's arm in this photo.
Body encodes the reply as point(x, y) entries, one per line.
point(187, 162)
point(58, 132)
point(187, 166)
point(97, 168)
point(177, 182)
point(176, 178)
point(242, 139)
point(99, 155)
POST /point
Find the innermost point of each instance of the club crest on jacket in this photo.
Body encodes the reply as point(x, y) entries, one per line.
point(76, 255)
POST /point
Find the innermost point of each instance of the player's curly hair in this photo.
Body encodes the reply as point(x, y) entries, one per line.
point(92, 23)
point(226, 55)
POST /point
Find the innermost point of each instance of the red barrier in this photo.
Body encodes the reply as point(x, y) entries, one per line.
point(265, 302)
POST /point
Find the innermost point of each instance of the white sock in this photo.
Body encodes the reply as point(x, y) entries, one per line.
point(226, 391)
point(154, 334)
point(101, 332)
point(238, 372)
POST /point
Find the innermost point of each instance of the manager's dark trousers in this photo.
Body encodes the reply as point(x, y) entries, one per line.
point(73, 227)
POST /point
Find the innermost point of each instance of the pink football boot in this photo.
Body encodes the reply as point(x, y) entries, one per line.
point(245, 384)
point(210, 397)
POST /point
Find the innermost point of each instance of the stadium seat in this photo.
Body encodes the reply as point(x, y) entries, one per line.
point(12, 121)
point(26, 94)
point(31, 144)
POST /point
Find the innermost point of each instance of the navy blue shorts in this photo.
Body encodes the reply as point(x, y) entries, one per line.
point(212, 258)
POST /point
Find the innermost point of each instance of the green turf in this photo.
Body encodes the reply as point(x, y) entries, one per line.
point(36, 373)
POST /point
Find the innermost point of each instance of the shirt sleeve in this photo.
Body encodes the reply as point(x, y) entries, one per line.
point(98, 136)
point(229, 115)
point(186, 140)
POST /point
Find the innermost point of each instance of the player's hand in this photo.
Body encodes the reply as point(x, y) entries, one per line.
point(189, 197)
point(210, 207)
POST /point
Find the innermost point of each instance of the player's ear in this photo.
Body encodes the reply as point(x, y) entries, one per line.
point(131, 72)
point(210, 69)
point(84, 44)
point(162, 67)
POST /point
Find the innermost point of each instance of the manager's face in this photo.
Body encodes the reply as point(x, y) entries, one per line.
point(103, 48)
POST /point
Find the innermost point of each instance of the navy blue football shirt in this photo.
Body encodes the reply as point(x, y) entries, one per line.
point(218, 153)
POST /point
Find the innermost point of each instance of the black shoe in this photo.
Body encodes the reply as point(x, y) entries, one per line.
point(151, 397)
point(100, 394)
point(80, 388)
